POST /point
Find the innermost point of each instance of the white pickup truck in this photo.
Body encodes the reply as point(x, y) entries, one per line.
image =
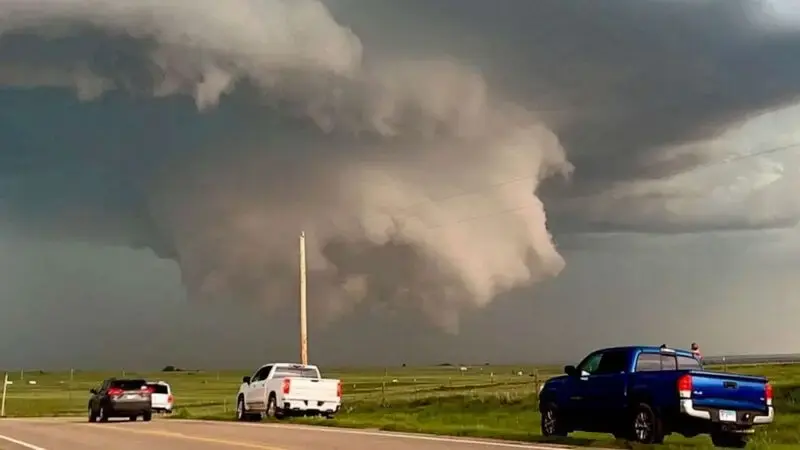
point(280, 389)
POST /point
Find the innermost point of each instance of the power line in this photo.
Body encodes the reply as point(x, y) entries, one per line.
point(748, 156)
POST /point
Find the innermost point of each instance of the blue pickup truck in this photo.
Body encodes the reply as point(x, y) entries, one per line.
point(643, 394)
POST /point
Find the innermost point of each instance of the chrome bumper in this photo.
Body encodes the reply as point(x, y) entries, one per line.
point(687, 407)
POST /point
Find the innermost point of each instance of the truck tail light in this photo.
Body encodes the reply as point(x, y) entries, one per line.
point(685, 386)
point(339, 390)
point(768, 393)
point(287, 385)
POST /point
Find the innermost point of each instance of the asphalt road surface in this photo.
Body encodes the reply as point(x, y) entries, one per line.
point(77, 434)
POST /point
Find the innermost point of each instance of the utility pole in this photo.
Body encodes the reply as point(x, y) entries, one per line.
point(303, 313)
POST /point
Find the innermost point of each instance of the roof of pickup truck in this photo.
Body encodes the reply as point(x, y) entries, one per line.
point(654, 349)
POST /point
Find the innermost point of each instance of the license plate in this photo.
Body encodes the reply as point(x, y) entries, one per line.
point(727, 416)
point(132, 396)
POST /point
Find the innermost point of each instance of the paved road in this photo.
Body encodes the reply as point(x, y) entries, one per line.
point(77, 434)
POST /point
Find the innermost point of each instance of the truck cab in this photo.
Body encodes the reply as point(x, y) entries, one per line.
point(280, 389)
point(646, 393)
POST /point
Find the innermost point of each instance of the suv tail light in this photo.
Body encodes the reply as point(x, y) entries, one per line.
point(768, 393)
point(339, 390)
point(287, 385)
point(170, 399)
point(685, 386)
point(149, 389)
point(115, 392)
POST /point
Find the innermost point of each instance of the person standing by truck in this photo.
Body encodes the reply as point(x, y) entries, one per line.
point(696, 351)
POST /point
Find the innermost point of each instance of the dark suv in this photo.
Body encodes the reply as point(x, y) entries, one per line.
point(120, 398)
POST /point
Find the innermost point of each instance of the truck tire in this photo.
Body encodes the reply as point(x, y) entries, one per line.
point(729, 440)
point(646, 426)
point(241, 414)
point(147, 416)
point(272, 408)
point(552, 423)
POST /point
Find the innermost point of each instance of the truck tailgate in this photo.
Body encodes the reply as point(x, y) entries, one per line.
point(728, 391)
point(159, 400)
point(317, 389)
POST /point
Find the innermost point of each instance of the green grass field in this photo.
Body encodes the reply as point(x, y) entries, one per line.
point(485, 401)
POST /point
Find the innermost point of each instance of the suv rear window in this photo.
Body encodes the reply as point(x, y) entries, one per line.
point(128, 385)
point(158, 388)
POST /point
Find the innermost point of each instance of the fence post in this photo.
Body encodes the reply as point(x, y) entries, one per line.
point(383, 387)
point(3, 401)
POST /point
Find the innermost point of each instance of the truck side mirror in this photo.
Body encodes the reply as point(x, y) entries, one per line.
point(571, 371)
point(246, 380)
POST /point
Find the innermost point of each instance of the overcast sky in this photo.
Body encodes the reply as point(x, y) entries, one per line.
point(506, 181)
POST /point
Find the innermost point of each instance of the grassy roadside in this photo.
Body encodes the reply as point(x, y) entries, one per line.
point(498, 404)
point(512, 418)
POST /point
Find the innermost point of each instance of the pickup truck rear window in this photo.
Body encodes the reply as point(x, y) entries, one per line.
point(688, 363)
point(300, 372)
point(653, 362)
point(158, 388)
point(668, 362)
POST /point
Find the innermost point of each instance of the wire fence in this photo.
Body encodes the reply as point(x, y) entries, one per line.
point(213, 394)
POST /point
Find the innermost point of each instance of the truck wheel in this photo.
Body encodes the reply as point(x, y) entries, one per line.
point(729, 440)
point(241, 414)
point(272, 408)
point(552, 424)
point(646, 426)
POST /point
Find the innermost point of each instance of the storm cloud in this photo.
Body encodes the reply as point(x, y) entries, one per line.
point(382, 161)
point(428, 148)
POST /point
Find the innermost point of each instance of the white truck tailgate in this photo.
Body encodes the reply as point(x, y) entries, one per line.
point(160, 400)
point(313, 389)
